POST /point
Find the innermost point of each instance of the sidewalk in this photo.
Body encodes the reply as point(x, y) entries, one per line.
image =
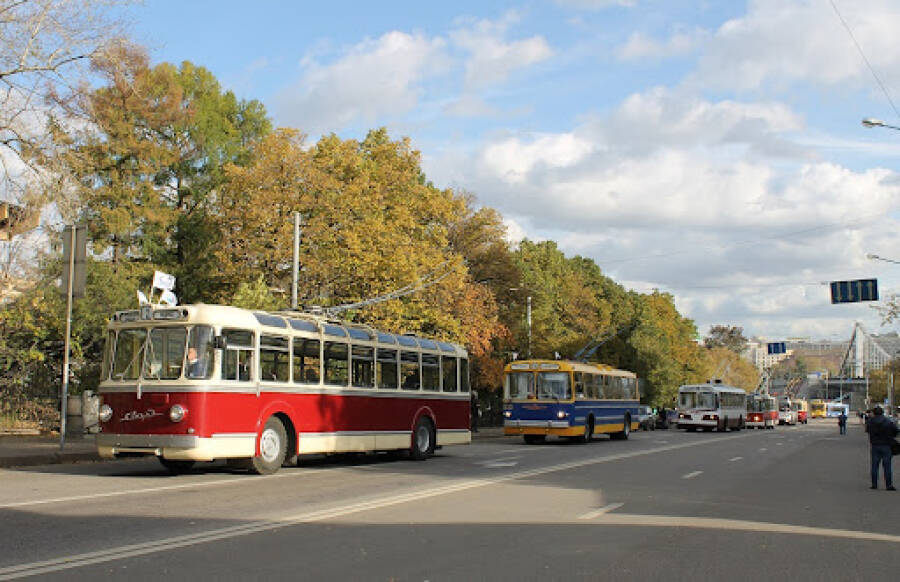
point(25, 451)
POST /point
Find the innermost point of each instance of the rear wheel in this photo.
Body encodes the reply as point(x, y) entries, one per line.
point(272, 448)
point(533, 439)
point(176, 467)
point(626, 430)
point(422, 440)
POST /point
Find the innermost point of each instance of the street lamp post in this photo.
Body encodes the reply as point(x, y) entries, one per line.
point(872, 122)
point(527, 315)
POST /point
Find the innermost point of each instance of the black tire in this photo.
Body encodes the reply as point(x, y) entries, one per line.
point(534, 439)
point(176, 467)
point(626, 430)
point(272, 448)
point(588, 435)
point(422, 445)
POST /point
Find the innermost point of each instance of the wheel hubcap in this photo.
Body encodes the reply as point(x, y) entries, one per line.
point(269, 445)
point(423, 438)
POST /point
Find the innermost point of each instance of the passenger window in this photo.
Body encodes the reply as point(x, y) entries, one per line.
point(306, 361)
point(409, 370)
point(238, 361)
point(448, 370)
point(336, 367)
point(387, 369)
point(274, 358)
point(363, 366)
point(431, 372)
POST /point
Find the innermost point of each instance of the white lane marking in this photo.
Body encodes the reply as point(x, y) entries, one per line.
point(236, 479)
point(735, 459)
point(763, 450)
point(779, 444)
point(601, 511)
point(740, 525)
point(499, 464)
point(692, 475)
point(661, 442)
point(150, 547)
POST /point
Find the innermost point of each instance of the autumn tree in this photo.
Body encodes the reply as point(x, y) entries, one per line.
point(145, 170)
point(726, 336)
point(724, 364)
point(372, 224)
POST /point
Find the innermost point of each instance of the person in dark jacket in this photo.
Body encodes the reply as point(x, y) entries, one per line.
point(882, 431)
point(842, 422)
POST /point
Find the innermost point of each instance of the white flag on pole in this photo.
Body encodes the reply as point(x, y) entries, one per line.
point(163, 281)
point(168, 298)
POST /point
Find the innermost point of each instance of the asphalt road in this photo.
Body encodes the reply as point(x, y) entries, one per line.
point(791, 503)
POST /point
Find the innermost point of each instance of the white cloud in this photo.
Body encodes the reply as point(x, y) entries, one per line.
point(596, 4)
point(375, 79)
point(640, 46)
point(778, 41)
point(511, 160)
point(491, 57)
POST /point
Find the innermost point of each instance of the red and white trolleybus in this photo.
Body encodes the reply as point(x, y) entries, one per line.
point(762, 411)
point(203, 382)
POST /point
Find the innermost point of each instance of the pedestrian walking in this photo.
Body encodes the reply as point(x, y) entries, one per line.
point(882, 431)
point(842, 422)
point(476, 411)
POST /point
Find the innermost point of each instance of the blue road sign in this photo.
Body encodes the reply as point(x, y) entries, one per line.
point(776, 348)
point(854, 291)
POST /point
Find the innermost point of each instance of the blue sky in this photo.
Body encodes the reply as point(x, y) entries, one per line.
point(709, 149)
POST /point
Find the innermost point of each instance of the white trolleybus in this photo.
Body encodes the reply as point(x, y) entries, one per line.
point(711, 406)
point(204, 382)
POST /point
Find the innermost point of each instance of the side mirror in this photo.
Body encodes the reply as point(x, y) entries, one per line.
point(219, 342)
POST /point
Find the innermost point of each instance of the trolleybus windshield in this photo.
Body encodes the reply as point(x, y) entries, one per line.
point(554, 386)
point(520, 385)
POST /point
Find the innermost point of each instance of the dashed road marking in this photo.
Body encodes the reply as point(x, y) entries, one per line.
point(733, 459)
point(692, 475)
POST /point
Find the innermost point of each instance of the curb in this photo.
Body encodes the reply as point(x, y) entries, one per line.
point(48, 459)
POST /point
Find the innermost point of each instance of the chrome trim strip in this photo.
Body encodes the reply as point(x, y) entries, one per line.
point(151, 441)
point(536, 423)
point(251, 388)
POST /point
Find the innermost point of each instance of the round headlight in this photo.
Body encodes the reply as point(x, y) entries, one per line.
point(561, 414)
point(106, 413)
point(507, 413)
point(177, 413)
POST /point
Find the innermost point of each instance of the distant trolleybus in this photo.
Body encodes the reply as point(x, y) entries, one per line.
point(761, 411)
point(203, 382)
point(568, 399)
point(817, 408)
point(801, 409)
point(711, 406)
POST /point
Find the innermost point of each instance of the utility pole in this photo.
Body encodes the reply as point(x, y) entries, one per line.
point(295, 265)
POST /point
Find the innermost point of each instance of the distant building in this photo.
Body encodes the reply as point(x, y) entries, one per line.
point(757, 353)
point(867, 352)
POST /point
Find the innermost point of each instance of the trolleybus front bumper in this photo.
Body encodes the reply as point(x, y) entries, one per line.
point(554, 427)
point(176, 447)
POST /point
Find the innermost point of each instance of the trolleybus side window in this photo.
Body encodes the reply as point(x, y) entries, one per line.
point(593, 386)
point(199, 357)
point(238, 361)
point(306, 360)
point(362, 366)
point(337, 372)
point(108, 350)
point(387, 368)
point(579, 384)
point(431, 372)
point(463, 375)
point(409, 370)
point(129, 354)
point(448, 371)
point(274, 358)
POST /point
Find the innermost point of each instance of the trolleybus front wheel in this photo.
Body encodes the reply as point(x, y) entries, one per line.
point(423, 440)
point(272, 448)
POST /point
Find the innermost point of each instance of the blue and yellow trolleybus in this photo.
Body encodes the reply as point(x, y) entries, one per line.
point(568, 399)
